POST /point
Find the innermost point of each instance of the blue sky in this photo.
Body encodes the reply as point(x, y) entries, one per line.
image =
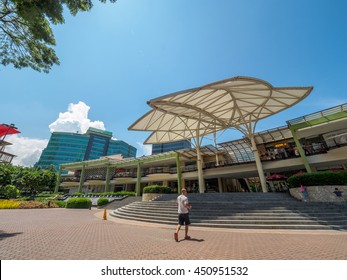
point(118, 56)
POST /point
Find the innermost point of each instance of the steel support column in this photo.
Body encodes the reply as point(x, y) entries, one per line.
point(258, 163)
point(57, 184)
point(300, 150)
point(81, 179)
point(179, 173)
point(138, 180)
point(107, 182)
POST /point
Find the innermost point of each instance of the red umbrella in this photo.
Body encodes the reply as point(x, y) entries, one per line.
point(336, 169)
point(8, 129)
point(275, 177)
point(298, 173)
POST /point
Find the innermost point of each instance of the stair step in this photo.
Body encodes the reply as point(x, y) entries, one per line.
point(240, 210)
point(246, 226)
point(233, 219)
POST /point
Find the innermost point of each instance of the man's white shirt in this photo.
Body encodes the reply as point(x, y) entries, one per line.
point(182, 201)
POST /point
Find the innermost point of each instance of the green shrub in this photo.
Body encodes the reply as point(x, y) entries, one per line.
point(79, 203)
point(156, 189)
point(325, 178)
point(10, 191)
point(102, 201)
point(24, 198)
point(61, 204)
point(253, 188)
point(45, 194)
point(41, 199)
point(100, 193)
point(26, 192)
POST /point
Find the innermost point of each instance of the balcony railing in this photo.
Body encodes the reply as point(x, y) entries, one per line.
point(160, 170)
point(69, 179)
point(124, 175)
point(95, 177)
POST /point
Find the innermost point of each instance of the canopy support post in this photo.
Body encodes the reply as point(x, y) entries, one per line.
point(80, 185)
point(258, 163)
point(57, 184)
point(199, 164)
point(215, 145)
point(179, 173)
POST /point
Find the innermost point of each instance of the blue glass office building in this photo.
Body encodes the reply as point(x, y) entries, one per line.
point(172, 146)
point(66, 147)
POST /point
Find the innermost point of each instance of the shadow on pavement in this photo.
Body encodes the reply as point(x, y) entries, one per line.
point(6, 234)
point(192, 239)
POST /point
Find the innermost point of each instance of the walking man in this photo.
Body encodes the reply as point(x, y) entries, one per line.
point(183, 214)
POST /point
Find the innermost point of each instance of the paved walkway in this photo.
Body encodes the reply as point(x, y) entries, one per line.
point(55, 234)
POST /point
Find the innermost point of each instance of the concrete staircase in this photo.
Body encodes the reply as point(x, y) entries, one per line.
point(241, 211)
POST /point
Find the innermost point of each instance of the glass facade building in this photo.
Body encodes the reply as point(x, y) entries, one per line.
point(66, 147)
point(172, 146)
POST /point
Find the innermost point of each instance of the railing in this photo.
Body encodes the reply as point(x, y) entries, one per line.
point(319, 114)
point(280, 154)
point(69, 179)
point(160, 170)
point(124, 175)
point(213, 164)
point(95, 177)
point(189, 168)
point(6, 157)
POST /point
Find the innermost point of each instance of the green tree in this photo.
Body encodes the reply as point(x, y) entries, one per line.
point(26, 37)
point(10, 191)
point(38, 180)
point(5, 175)
point(48, 179)
point(26, 178)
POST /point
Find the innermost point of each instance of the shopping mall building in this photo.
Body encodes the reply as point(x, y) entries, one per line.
point(313, 142)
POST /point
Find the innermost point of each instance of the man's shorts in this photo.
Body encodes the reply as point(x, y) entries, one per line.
point(183, 219)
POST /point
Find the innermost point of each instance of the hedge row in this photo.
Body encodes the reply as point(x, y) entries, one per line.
point(156, 189)
point(78, 202)
point(105, 193)
point(327, 178)
point(84, 203)
point(102, 201)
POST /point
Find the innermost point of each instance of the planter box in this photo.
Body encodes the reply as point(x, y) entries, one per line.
point(321, 194)
point(150, 196)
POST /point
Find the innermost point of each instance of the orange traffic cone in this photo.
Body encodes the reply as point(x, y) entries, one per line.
point(104, 217)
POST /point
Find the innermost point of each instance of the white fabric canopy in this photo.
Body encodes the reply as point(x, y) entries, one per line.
point(237, 102)
point(170, 128)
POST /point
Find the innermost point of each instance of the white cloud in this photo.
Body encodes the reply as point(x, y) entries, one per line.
point(75, 119)
point(26, 149)
point(146, 149)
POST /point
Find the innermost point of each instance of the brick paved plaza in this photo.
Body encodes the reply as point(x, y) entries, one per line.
point(59, 234)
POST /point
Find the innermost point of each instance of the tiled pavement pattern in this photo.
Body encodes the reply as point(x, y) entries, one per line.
point(53, 234)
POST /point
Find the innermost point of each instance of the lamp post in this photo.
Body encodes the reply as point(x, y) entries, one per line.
point(8, 129)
